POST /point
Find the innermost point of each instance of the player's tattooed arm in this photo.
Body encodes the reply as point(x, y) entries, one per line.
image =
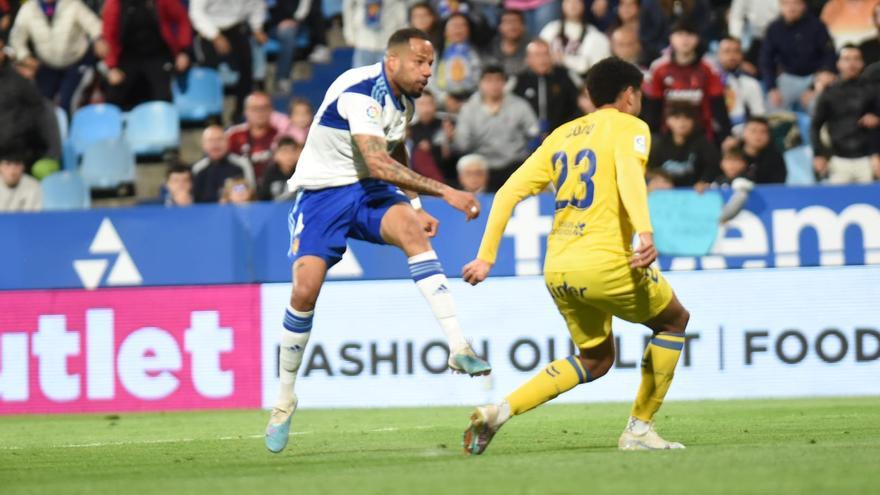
point(401, 156)
point(383, 167)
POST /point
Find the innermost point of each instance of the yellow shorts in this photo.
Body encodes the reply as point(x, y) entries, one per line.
point(588, 299)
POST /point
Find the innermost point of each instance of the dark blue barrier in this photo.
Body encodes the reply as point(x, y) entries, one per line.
point(225, 244)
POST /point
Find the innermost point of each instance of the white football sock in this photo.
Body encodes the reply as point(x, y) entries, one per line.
point(637, 426)
point(431, 281)
point(293, 339)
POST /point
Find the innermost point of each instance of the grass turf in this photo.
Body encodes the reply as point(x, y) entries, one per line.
point(785, 446)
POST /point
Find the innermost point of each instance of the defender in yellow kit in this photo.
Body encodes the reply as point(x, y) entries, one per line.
point(596, 164)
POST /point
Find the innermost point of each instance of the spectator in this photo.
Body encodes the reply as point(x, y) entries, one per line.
point(733, 176)
point(538, 13)
point(367, 25)
point(766, 164)
point(749, 19)
point(147, 40)
point(284, 160)
point(457, 68)
point(298, 123)
point(658, 180)
point(871, 48)
point(547, 88)
point(178, 188)
point(744, 94)
point(585, 103)
point(850, 108)
point(18, 191)
point(285, 19)
point(430, 151)
point(224, 30)
point(574, 43)
point(61, 35)
point(7, 14)
point(849, 21)
point(698, 12)
point(653, 29)
point(473, 173)
point(253, 139)
point(27, 119)
point(423, 17)
point(508, 48)
point(683, 152)
point(821, 81)
point(656, 17)
point(496, 125)
point(626, 16)
point(39, 123)
point(797, 45)
point(211, 172)
point(734, 165)
point(684, 77)
point(481, 31)
point(601, 13)
point(625, 44)
point(237, 191)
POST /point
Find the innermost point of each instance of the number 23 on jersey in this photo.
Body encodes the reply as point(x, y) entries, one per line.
point(583, 168)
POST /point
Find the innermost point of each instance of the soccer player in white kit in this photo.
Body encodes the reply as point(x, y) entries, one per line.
point(350, 183)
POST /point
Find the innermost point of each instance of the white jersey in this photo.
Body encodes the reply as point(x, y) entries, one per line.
point(360, 101)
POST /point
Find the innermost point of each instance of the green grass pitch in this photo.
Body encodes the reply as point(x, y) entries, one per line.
point(822, 446)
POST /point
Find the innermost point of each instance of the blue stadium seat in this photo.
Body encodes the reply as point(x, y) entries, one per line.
point(804, 123)
point(94, 123)
point(271, 47)
point(108, 164)
point(202, 96)
point(799, 165)
point(153, 128)
point(65, 190)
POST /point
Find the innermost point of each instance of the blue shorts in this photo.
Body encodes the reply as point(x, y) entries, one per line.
point(321, 220)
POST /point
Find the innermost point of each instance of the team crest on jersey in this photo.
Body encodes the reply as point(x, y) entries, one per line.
point(640, 144)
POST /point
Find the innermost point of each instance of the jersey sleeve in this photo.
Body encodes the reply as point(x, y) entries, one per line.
point(363, 113)
point(529, 179)
point(630, 157)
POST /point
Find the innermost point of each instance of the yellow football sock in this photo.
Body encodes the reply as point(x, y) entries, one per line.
point(658, 368)
point(559, 376)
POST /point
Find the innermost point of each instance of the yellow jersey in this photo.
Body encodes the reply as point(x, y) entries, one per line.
point(596, 164)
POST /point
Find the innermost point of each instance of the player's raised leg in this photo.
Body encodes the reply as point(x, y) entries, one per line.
point(658, 368)
point(308, 277)
point(402, 227)
point(594, 360)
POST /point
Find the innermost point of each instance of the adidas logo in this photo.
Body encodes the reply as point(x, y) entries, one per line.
point(441, 290)
point(107, 242)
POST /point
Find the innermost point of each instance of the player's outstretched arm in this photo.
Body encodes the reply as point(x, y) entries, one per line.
point(530, 179)
point(374, 150)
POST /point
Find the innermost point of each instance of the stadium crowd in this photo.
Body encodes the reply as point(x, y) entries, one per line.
point(730, 86)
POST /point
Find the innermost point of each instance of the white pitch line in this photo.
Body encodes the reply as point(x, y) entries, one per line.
point(189, 440)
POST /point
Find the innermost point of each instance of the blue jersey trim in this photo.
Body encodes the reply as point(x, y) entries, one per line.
point(384, 88)
point(331, 117)
point(376, 87)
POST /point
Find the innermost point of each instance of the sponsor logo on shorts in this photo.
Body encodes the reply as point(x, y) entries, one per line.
point(561, 291)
